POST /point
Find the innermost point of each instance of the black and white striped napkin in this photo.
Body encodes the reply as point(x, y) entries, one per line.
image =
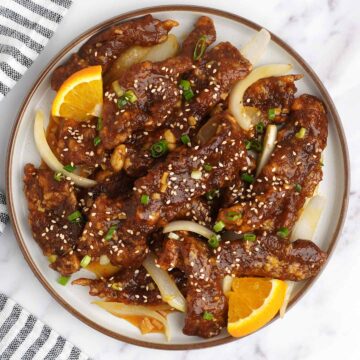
point(25, 28)
point(23, 337)
point(4, 217)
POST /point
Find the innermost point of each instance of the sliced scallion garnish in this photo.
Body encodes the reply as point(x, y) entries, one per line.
point(200, 47)
point(69, 168)
point(63, 280)
point(75, 216)
point(159, 148)
point(249, 237)
point(85, 261)
point(219, 225)
point(109, 235)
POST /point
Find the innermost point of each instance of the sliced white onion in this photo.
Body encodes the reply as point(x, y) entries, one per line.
point(306, 225)
point(120, 310)
point(268, 147)
point(167, 287)
point(184, 225)
point(163, 51)
point(173, 236)
point(236, 102)
point(227, 282)
point(48, 156)
point(304, 229)
point(255, 49)
point(137, 54)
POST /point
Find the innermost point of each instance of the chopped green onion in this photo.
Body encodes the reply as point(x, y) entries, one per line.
point(69, 168)
point(249, 237)
point(121, 102)
point(273, 112)
point(283, 232)
point(208, 316)
point(185, 139)
point(145, 199)
point(185, 84)
point(188, 94)
point(58, 176)
point(52, 258)
point(159, 148)
point(247, 178)
point(109, 235)
point(207, 167)
point(97, 140)
point(214, 241)
point(233, 215)
point(253, 145)
point(85, 261)
point(298, 188)
point(200, 47)
point(130, 96)
point(301, 133)
point(75, 216)
point(196, 174)
point(99, 124)
point(63, 280)
point(219, 225)
point(260, 128)
point(212, 194)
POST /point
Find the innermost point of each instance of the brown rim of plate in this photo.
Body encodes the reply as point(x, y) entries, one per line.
point(204, 10)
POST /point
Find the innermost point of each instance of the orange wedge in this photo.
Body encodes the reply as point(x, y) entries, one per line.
point(253, 302)
point(81, 95)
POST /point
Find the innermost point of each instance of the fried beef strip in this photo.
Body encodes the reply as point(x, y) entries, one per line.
point(204, 27)
point(276, 92)
point(291, 175)
point(73, 142)
point(204, 290)
point(268, 256)
point(159, 195)
point(131, 286)
point(155, 86)
point(50, 202)
point(103, 48)
point(211, 80)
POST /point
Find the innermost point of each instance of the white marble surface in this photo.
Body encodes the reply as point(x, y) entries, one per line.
point(324, 325)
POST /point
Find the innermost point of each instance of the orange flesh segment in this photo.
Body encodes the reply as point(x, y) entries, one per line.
point(80, 96)
point(253, 302)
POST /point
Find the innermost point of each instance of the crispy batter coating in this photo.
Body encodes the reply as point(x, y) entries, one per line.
point(204, 27)
point(49, 203)
point(270, 93)
point(131, 286)
point(73, 142)
point(155, 86)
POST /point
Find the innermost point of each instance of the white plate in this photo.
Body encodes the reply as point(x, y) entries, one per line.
point(22, 150)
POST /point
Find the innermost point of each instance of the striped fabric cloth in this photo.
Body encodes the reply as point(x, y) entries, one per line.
point(23, 337)
point(25, 28)
point(4, 217)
